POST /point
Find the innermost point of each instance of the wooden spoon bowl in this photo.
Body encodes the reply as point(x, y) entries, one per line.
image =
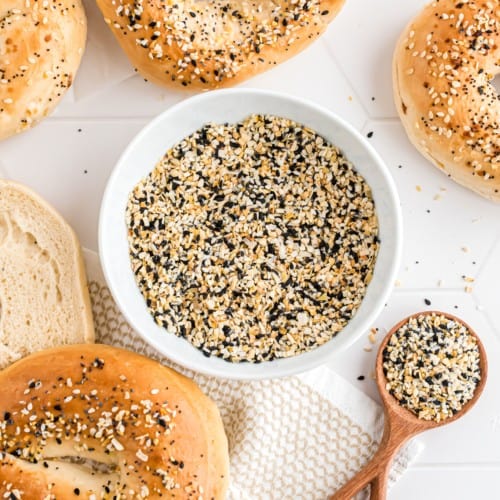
point(401, 424)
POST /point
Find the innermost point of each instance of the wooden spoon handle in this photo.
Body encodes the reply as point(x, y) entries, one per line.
point(378, 486)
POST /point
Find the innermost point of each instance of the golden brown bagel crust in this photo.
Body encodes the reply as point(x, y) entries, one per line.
point(41, 44)
point(158, 435)
point(206, 44)
point(443, 67)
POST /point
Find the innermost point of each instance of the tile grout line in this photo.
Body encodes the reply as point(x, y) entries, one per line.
point(488, 255)
point(344, 75)
point(455, 466)
point(369, 116)
point(438, 291)
point(88, 119)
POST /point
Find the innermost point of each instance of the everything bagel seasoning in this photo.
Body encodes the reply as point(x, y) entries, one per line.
point(431, 364)
point(253, 240)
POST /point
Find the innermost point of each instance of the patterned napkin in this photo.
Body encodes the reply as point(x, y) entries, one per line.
point(299, 437)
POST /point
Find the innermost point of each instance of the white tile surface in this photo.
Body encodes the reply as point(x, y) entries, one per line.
point(348, 71)
point(448, 230)
point(448, 484)
point(362, 40)
point(69, 168)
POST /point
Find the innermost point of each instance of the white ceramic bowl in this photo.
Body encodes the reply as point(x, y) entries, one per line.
point(230, 106)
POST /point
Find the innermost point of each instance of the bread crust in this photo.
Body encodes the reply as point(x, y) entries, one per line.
point(210, 44)
point(442, 70)
point(34, 236)
point(157, 432)
point(41, 45)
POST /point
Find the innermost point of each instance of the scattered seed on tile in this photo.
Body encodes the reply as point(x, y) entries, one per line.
point(253, 240)
point(431, 365)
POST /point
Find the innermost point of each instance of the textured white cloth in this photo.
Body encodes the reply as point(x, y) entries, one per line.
point(299, 437)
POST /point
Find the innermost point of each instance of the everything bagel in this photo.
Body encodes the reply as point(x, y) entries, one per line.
point(41, 45)
point(443, 67)
point(93, 421)
point(205, 44)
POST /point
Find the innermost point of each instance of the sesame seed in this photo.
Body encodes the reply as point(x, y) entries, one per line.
point(461, 106)
point(227, 233)
point(431, 364)
point(231, 34)
point(117, 445)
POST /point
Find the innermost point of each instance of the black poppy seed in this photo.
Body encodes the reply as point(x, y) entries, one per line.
point(425, 358)
point(246, 180)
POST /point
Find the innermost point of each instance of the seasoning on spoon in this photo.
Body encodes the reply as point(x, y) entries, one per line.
point(432, 366)
point(431, 369)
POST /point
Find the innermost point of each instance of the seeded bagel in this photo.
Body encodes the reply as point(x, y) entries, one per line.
point(41, 45)
point(209, 44)
point(444, 64)
point(93, 421)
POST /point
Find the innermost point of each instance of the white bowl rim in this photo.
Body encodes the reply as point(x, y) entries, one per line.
point(295, 364)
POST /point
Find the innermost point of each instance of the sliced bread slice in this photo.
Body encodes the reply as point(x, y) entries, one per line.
point(44, 299)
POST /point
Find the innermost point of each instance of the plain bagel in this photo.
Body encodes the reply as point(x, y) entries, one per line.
point(443, 67)
point(93, 421)
point(213, 43)
point(41, 44)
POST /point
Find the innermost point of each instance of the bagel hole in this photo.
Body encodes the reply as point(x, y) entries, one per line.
point(496, 83)
point(95, 466)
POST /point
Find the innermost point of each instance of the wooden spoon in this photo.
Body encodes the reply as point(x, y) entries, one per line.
point(401, 424)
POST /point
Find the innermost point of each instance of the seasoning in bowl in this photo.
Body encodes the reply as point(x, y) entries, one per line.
point(254, 241)
point(432, 366)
